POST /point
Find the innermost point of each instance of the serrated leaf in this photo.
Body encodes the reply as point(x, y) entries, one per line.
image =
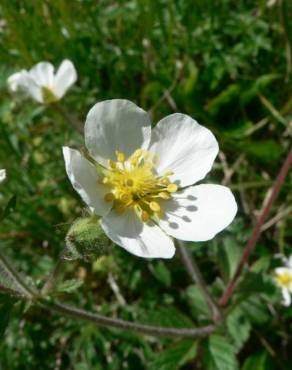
point(255, 310)
point(68, 286)
point(161, 273)
point(169, 317)
point(238, 327)
point(220, 354)
point(175, 356)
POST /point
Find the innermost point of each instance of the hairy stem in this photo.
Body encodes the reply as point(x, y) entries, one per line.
point(127, 325)
point(197, 278)
point(97, 319)
point(257, 230)
point(19, 282)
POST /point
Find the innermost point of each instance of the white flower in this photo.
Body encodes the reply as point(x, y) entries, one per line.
point(2, 175)
point(42, 84)
point(283, 278)
point(139, 182)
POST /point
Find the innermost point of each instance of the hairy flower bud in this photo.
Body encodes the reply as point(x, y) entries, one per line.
point(86, 240)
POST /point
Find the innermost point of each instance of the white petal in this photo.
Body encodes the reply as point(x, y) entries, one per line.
point(33, 89)
point(199, 212)
point(184, 147)
point(84, 178)
point(2, 175)
point(141, 239)
point(17, 80)
point(65, 77)
point(286, 297)
point(116, 125)
point(43, 74)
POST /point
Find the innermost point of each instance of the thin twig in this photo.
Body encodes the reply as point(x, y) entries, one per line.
point(116, 290)
point(101, 320)
point(198, 279)
point(75, 123)
point(257, 230)
point(278, 217)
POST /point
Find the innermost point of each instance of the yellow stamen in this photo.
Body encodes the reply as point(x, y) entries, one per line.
point(109, 197)
point(172, 188)
point(134, 184)
point(120, 156)
point(120, 209)
point(164, 195)
point(145, 216)
point(284, 279)
point(112, 164)
point(154, 206)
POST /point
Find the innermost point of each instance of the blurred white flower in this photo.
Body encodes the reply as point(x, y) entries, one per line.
point(2, 175)
point(139, 182)
point(283, 278)
point(42, 84)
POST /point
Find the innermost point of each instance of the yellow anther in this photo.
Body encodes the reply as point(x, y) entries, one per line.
point(137, 153)
point(120, 209)
point(154, 206)
point(168, 173)
point(120, 156)
point(165, 181)
point(109, 197)
point(145, 216)
point(112, 164)
point(164, 195)
point(133, 161)
point(172, 188)
point(126, 198)
point(105, 180)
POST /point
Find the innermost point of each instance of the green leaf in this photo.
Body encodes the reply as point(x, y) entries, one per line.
point(264, 151)
point(68, 286)
point(225, 97)
point(197, 302)
point(167, 316)
point(257, 283)
point(175, 356)
point(10, 207)
point(255, 309)
point(161, 272)
point(238, 327)
point(220, 354)
point(6, 305)
point(256, 362)
point(229, 255)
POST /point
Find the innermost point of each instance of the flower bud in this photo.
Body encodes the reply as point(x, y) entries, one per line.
point(86, 240)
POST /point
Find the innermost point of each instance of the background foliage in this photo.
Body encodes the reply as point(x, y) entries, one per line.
point(227, 64)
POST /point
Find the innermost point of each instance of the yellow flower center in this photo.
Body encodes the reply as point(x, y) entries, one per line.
point(133, 183)
point(284, 279)
point(48, 95)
